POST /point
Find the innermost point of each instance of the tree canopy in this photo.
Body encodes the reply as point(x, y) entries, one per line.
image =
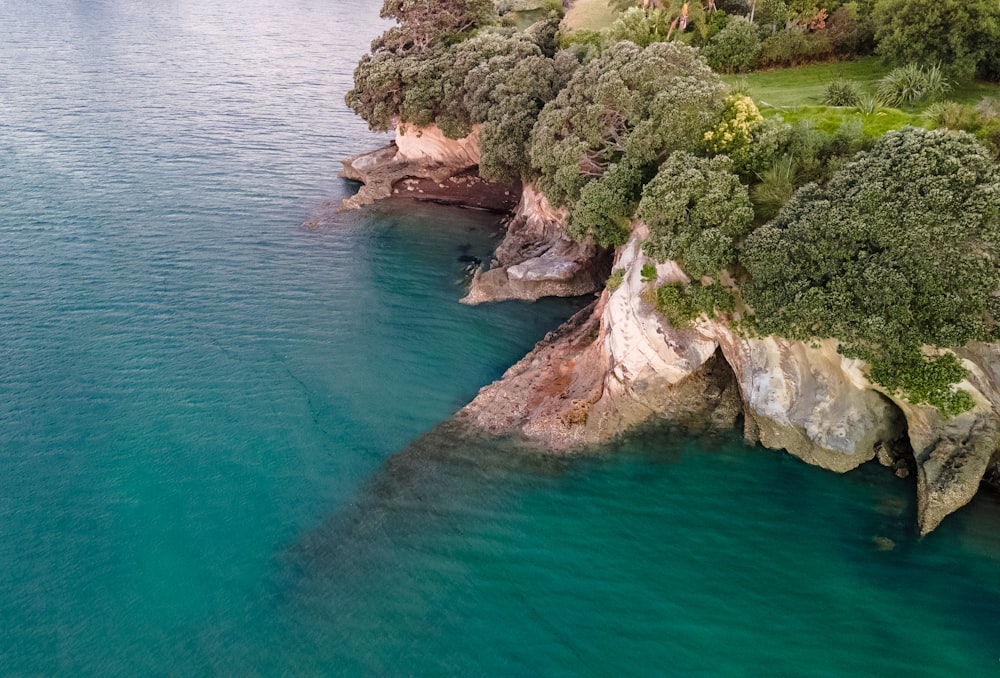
point(696, 210)
point(627, 109)
point(498, 77)
point(957, 34)
point(898, 251)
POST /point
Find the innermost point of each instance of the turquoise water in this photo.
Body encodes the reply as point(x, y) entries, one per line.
point(219, 449)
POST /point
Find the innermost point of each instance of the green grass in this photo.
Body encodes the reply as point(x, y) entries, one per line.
point(806, 85)
point(797, 94)
point(829, 118)
point(589, 15)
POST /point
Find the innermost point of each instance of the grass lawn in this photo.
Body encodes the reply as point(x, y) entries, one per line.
point(806, 85)
point(797, 94)
point(829, 118)
point(589, 15)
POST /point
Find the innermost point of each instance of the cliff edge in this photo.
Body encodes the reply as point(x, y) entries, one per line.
point(619, 363)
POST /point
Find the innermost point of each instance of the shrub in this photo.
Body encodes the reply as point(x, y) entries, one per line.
point(648, 272)
point(911, 84)
point(682, 304)
point(870, 105)
point(961, 34)
point(768, 141)
point(641, 26)
point(615, 279)
point(792, 47)
point(696, 210)
point(777, 184)
point(954, 115)
point(847, 33)
point(842, 92)
point(734, 132)
point(735, 48)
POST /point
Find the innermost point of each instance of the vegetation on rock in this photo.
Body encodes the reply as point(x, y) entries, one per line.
point(697, 211)
point(620, 116)
point(898, 251)
point(827, 228)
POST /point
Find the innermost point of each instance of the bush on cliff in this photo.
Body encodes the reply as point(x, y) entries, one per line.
point(697, 210)
point(898, 251)
point(629, 108)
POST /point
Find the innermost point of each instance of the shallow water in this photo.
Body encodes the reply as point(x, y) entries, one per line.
point(218, 442)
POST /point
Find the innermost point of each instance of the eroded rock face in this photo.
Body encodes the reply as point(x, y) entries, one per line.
point(537, 259)
point(620, 364)
point(954, 455)
point(423, 164)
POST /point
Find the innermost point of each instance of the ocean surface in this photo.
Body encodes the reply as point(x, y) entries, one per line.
point(221, 448)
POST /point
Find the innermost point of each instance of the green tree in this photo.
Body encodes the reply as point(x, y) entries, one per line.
point(958, 34)
point(735, 48)
point(630, 107)
point(422, 22)
point(898, 251)
point(500, 78)
point(505, 93)
point(697, 211)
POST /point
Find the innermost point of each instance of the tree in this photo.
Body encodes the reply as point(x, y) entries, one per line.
point(735, 48)
point(405, 75)
point(697, 211)
point(899, 251)
point(499, 78)
point(422, 22)
point(505, 93)
point(630, 107)
point(958, 34)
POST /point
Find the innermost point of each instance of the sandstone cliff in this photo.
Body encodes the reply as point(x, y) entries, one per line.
point(423, 164)
point(537, 259)
point(619, 363)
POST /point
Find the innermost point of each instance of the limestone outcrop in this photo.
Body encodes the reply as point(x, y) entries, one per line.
point(537, 259)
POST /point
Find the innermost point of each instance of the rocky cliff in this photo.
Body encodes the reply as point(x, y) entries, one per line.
point(423, 164)
point(619, 363)
point(537, 259)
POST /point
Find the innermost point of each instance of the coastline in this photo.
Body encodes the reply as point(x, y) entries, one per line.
point(617, 364)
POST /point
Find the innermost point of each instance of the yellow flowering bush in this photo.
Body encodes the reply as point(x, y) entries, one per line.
point(734, 132)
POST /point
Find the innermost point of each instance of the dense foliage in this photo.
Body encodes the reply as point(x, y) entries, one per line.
point(449, 75)
point(696, 210)
point(891, 249)
point(961, 35)
point(682, 304)
point(735, 48)
point(899, 250)
point(620, 116)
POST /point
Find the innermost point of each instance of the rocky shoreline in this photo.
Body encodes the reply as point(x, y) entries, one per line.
point(618, 363)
